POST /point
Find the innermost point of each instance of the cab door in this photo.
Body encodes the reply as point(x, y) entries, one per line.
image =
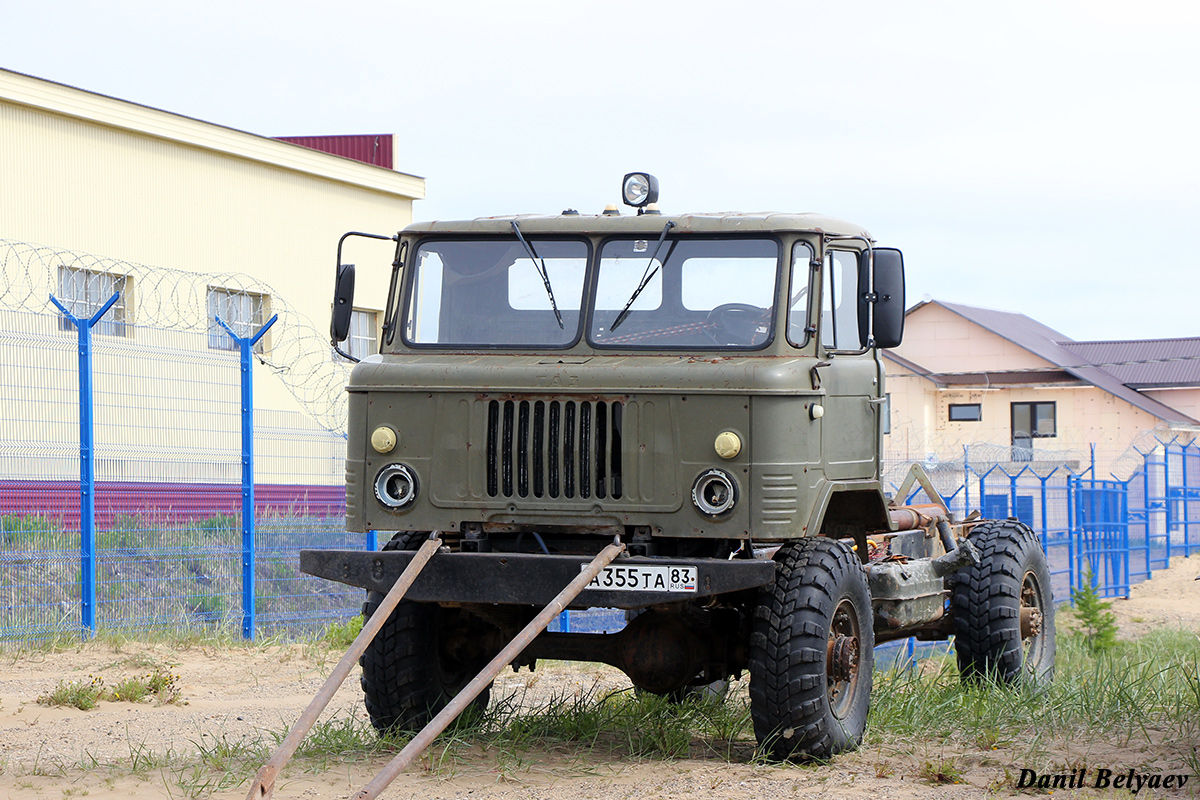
point(850, 429)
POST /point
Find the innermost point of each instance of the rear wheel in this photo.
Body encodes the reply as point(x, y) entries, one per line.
point(812, 652)
point(423, 656)
point(1003, 607)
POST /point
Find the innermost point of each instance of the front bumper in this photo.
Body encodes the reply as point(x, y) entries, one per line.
point(523, 578)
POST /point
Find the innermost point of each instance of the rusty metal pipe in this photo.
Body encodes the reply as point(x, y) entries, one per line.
point(455, 707)
point(909, 518)
point(264, 782)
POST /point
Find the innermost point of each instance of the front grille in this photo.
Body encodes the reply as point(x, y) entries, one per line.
point(554, 448)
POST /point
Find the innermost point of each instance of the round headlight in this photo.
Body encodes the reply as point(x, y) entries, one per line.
point(396, 486)
point(639, 188)
point(714, 493)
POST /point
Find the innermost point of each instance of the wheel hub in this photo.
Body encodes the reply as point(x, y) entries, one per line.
point(842, 658)
point(1031, 622)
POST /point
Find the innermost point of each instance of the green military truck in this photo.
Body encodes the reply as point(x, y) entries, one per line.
point(707, 392)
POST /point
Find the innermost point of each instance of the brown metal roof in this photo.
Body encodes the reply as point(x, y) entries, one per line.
point(1145, 363)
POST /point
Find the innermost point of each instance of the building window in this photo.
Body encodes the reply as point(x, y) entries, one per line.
point(243, 312)
point(364, 334)
point(1031, 421)
point(85, 292)
point(966, 412)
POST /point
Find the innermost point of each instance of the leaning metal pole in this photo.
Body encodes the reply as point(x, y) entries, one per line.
point(472, 690)
point(264, 782)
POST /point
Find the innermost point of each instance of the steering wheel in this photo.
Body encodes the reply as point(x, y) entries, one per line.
point(736, 323)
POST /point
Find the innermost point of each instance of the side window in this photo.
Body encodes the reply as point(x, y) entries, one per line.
point(839, 301)
point(799, 308)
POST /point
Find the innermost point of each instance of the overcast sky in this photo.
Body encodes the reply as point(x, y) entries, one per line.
point(1039, 157)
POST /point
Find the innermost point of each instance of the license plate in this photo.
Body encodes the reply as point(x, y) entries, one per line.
point(644, 578)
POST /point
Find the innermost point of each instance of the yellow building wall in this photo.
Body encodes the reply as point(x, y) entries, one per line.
point(942, 341)
point(89, 173)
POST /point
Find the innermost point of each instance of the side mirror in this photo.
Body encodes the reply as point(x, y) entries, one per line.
point(881, 309)
point(343, 303)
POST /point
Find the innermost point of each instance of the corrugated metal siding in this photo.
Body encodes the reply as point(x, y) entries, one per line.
point(374, 149)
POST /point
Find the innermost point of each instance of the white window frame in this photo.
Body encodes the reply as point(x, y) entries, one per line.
point(85, 291)
point(244, 312)
point(363, 340)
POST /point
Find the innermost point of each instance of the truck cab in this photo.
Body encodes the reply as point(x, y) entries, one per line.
point(703, 391)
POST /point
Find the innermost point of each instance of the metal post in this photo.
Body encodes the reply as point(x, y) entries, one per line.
point(1167, 498)
point(245, 349)
point(439, 723)
point(1187, 501)
point(264, 782)
point(1147, 504)
point(1074, 487)
point(87, 462)
point(966, 480)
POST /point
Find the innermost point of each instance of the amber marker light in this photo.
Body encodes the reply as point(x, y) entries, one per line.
point(728, 445)
point(383, 439)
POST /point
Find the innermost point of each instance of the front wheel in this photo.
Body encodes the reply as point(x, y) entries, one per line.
point(812, 652)
point(423, 656)
point(1003, 607)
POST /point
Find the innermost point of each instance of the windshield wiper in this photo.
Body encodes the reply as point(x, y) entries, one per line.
point(540, 266)
point(646, 276)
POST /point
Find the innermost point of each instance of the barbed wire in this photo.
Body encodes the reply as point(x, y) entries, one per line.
point(153, 296)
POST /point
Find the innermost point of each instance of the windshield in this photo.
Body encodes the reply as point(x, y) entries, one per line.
point(697, 293)
point(490, 293)
point(685, 293)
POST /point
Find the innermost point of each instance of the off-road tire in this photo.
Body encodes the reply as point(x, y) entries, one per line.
point(987, 600)
point(406, 680)
point(802, 704)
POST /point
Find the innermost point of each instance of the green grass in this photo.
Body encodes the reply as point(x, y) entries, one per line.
point(1128, 693)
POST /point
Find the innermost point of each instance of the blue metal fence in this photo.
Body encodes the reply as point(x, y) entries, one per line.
point(160, 521)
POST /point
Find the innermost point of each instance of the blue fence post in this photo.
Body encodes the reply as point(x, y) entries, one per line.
point(245, 349)
point(1187, 500)
point(87, 462)
point(372, 540)
point(966, 480)
point(1074, 485)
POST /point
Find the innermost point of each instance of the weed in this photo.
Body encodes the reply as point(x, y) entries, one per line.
point(160, 685)
point(940, 770)
point(80, 694)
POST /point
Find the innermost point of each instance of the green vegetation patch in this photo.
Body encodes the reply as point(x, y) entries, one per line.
point(160, 686)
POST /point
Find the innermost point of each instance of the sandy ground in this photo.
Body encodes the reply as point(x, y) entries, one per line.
point(122, 750)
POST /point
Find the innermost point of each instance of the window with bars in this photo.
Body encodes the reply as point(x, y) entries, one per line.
point(364, 334)
point(243, 312)
point(85, 291)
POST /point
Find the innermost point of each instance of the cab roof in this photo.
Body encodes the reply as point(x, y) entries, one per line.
point(650, 224)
